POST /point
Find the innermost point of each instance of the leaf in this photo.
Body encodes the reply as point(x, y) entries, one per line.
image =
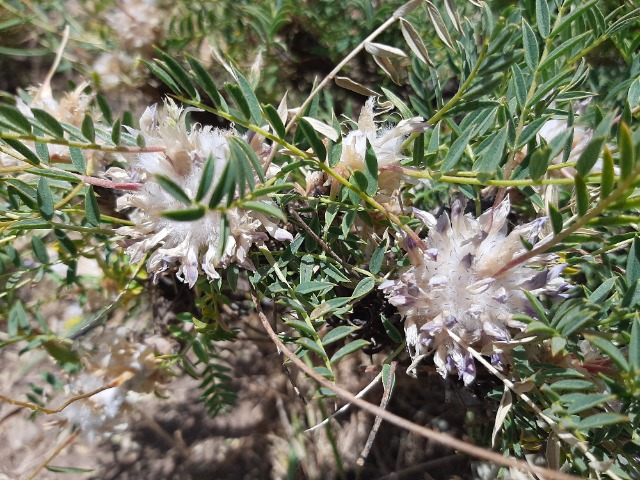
point(206, 82)
point(348, 349)
point(387, 66)
point(391, 331)
point(388, 378)
point(414, 40)
point(399, 104)
point(88, 129)
point(530, 131)
point(186, 214)
point(173, 189)
point(206, 179)
point(262, 191)
point(501, 415)
point(356, 87)
point(39, 250)
point(116, 132)
point(608, 348)
point(572, 385)
point(625, 145)
point(265, 208)
point(557, 345)
point(226, 183)
point(238, 97)
point(492, 155)
point(78, 160)
point(633, 97)
point(55, 469)
point(582, 195)
point(608, 174)
point(407, 8)
point(371, 170)
point(364, 286)
point(249, 95)
point(338, 333)
point(45, 199)
point(519, 84)
point(375, 264)
point(23, 150)
point(104, 108)
point(530, 44)
point(13, 118)
point(312, 287)
point(634, 346)
point(455, 152)
point(313, 139)
point(539, 162)
point(600, 420)
point(452, 13)
point(579, 402)
point(274, 119)
point(543, 19)
point(92, 211)
point(633, 262)
point(48, 123)
point(438, 24)
point(311, 345)
point(323, 129)
point(42, 149)
point(590, 156)
point(385, 51)
point(602, 292)
point(302, 327)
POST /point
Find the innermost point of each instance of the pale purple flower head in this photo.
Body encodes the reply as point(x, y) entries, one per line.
point(191, 245)
point(451, 286)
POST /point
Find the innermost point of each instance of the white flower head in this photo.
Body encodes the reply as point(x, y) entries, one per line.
point(453, 286)
point(386, 142)
point(132, 370)
point(192, 245)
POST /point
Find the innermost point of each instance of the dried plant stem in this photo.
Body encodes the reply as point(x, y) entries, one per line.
point(56, 452)
point(49, 411)
point(562, 434)
point(439, 437)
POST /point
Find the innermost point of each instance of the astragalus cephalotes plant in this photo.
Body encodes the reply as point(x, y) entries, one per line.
point(456, 199)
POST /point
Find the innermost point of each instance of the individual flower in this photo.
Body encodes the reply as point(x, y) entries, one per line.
point(192, 245)
point(131, 367)
point(452, 286)
point(386, 142)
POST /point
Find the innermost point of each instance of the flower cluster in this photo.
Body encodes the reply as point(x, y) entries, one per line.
point(194, 245)
point(71, 108)
point(386, 144)
point(130, 366)
point(452, 286)
point(138, 25)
